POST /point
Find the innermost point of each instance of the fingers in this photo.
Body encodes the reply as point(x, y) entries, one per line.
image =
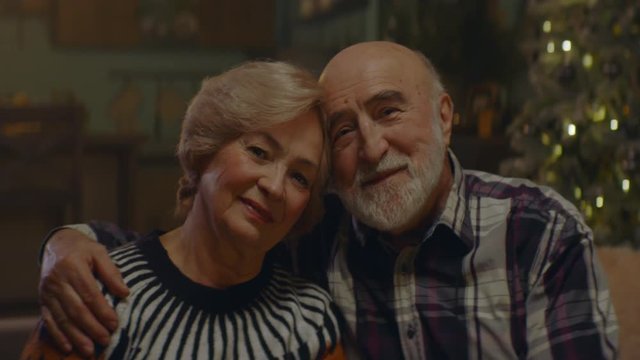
point(67, 279)
point(57, 335)
point(94, 314)
point(61, 323)
point(110, 276)
point(80, 296)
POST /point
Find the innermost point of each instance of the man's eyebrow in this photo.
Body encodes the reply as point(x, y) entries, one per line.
point(333, 118)
point(386, 95)
point(278, 147)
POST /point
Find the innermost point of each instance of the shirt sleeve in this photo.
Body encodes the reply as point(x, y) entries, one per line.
point(106, 233)
point(111, 235)
point(570, 314)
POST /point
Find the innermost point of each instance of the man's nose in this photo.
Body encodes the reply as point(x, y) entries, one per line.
point(373, 145)
point(271, 183)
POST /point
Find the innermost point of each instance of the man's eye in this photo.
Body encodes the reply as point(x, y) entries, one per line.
point(257, 152)
point(388, 111)
point(341, 132)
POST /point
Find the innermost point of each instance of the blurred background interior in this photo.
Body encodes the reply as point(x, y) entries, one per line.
point(92, 93)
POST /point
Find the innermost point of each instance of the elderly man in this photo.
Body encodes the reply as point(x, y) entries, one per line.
point(430, 260)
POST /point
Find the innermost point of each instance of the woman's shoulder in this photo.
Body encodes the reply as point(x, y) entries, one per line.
point(298, 285)
point(302, 296)
point(314, 315)
point(140, 249)
point(124, 252)
point(135, 261)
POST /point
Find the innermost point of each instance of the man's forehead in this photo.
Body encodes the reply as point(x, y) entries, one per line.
point(353, 83)
point(364, 81)
point(369, 87)
point(341, 107)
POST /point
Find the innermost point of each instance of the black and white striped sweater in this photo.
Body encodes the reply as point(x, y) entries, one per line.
point(166, 315)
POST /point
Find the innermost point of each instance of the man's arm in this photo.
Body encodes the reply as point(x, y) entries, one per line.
point(40, 346)
point(73, 308)
point(570, 314)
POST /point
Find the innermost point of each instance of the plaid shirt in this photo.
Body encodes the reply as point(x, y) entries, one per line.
point(508, 271)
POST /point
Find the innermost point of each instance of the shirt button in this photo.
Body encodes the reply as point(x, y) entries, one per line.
point(411, 331)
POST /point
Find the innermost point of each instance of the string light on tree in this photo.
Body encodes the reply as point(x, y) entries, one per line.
point(546, 26)
point(587, 61)
point(551, 47)
point(545, 138)
point(600, 114)
point(613, 124)
point(566, 45)
point(577, 193)
point(588, 211)
point(600, 201)
point(626, 185)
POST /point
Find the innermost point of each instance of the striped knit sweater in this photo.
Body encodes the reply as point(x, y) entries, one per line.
point(166, 315)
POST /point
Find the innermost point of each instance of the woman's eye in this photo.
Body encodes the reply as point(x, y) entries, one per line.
point(301, 179)
point(257, 152)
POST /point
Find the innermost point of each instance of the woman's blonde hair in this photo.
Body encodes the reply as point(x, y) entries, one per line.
point(246, 98)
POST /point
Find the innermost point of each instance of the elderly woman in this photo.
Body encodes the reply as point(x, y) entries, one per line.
point(252, 152)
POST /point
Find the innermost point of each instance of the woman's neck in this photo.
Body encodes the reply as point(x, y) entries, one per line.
point(204, 258)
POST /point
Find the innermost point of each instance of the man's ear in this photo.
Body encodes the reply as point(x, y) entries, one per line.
point(446, 116)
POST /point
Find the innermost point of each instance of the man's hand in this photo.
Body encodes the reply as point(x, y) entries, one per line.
point(73, 308)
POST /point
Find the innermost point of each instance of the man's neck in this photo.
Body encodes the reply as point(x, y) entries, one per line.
point(415, 231)
point(433, 207)
point(404, 240)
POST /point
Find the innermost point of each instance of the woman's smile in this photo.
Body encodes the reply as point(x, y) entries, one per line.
point(257, 211)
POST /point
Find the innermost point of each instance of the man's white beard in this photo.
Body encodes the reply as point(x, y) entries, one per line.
point(391, 205)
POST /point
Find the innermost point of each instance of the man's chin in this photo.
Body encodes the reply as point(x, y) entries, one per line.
point(384, 218)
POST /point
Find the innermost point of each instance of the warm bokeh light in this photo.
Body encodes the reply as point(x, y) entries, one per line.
point(588, 211)
point(600, 114)
point(577, 193)
point(545, 138)
point(614, 124)
point(587, 61)
point(557, 150)
point(600, 201)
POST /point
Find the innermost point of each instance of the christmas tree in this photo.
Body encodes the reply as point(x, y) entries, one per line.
point(579, 132)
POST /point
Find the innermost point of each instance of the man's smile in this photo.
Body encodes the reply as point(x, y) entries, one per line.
point(380, 176)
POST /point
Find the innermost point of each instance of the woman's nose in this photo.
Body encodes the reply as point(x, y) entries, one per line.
point(272, 182)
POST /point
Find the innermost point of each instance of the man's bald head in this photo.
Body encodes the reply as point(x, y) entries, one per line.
point(356, 57)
